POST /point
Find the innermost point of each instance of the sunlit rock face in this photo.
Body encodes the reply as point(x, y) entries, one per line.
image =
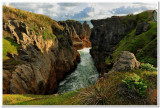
point(80, 33)
point(44, 63)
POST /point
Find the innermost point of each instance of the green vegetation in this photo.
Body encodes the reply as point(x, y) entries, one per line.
point(105, 92)
point(143, 45)
point(34, 21)
point(111, 91)
point(71, 20)
point(148, 67)
point(141, 17)
point(28, 99)
point(134, 82)
point(9, 46)
point(48, 35)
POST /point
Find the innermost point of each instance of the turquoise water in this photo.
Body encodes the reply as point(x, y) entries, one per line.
point(84, 75)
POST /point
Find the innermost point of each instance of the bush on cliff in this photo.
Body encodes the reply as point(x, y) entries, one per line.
point(148, 67)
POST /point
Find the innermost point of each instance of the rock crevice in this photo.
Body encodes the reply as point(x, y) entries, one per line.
point(80, 33)
point(42, 63)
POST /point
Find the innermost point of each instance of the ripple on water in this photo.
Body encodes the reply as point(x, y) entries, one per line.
point(84, 75)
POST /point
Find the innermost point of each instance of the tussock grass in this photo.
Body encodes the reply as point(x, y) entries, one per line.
point(111, 90)
point(107, 91)
point(33, 21)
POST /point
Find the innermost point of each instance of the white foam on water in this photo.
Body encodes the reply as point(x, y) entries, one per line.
point(85, 50)
point(84, 75)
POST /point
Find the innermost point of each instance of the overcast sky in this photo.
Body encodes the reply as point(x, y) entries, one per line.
point(84, 11)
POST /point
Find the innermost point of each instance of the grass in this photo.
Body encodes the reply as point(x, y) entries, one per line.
point(144, 46)
point(110, 91)
point(28, 99)
point(33, 21)
point(107, 91)
point(9, 46)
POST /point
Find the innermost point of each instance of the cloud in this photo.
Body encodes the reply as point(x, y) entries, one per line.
point(84, 11)
point(127, 10)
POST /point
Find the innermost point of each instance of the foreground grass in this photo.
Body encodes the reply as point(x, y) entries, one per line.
point(107, 91)
point(28, 99)
point(111, 91)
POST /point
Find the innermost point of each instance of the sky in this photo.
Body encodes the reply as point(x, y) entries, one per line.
point(84, 11)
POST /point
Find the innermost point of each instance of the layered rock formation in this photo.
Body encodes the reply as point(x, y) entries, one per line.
point(107, 33)
point(125, 61)
point(80, 33)
point(40, 64)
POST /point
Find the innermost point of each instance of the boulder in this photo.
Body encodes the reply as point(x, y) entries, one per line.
point(125, 61)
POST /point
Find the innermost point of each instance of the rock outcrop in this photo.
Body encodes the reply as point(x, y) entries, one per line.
point(43, 63)
point(142, 27)
point(125, 61)
point(105, 35)
point(80, 33)
point(112, 35)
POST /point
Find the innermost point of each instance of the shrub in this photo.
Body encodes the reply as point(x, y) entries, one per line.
point(134, 81)
point(151, 78)
point(102, 93)
point(148, 67)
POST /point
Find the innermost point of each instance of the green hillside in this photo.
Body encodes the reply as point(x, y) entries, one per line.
point(143, 45)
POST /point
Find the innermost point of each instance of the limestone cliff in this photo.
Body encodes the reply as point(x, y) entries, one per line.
point(45, 53)
point(80, 33)
point(134, 33)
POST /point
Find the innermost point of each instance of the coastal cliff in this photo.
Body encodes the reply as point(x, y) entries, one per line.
point(80, 33)
point(37, 53)
point(134, 33)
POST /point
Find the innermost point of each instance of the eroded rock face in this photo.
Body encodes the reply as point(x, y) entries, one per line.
point(43, 63)
point(125, 61)
point(105, 35)
point(142, 27)
point(80, 33)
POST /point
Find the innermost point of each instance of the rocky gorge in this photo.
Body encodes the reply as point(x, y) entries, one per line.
point(38, 55)
point(68, 63)
point(44, 52)
point(80, 33)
